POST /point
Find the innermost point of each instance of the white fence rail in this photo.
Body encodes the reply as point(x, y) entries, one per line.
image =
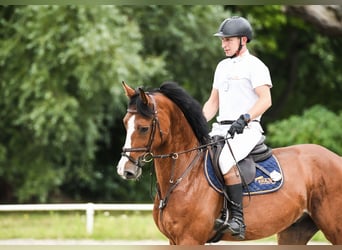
point(89, 208)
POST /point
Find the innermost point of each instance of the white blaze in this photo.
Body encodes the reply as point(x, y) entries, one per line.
point(128, 144)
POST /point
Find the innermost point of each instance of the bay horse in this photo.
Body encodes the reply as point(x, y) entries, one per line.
point(166, 126)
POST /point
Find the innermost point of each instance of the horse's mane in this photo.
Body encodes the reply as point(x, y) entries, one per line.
point(190, 107)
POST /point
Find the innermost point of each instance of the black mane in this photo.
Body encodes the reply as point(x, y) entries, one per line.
point(190, 107)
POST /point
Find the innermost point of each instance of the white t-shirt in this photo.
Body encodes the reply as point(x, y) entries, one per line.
point(235, 79)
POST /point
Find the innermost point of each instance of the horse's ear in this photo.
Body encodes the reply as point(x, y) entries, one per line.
point(143, 96)
point(128, 90)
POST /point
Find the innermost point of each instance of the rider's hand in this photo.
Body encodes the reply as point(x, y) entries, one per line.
point(239, 125)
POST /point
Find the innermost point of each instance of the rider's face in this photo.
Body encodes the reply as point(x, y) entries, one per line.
point(230, 45)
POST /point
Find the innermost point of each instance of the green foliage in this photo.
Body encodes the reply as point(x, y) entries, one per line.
point(61, 68)
point(317, 125)
point(304, 64)
point(183, 35)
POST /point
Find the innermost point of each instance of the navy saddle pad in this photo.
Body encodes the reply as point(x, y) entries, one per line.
point(263, 183)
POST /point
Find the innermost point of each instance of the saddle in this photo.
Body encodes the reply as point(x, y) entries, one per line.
point(248, 165)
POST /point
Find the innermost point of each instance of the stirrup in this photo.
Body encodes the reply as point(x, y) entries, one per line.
point(239, 233)
point(222, 222)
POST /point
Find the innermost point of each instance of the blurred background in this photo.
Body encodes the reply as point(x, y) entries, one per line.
point(62, 104)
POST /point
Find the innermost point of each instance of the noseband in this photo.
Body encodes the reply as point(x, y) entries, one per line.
point(148, 155)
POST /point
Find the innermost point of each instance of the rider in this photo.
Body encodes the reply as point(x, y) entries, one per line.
point(241, 94)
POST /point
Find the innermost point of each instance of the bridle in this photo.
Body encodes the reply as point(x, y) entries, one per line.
point(148, 155)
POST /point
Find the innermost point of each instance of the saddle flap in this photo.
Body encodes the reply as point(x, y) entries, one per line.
point(261, 151)
point(247, 169)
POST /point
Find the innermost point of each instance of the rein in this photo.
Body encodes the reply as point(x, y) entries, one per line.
point(148, 156)
point(174, 183)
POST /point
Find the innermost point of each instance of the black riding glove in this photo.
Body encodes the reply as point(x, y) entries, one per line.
point(238, 125)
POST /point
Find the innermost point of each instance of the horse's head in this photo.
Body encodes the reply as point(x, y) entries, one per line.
point(141, 123)
point(181, 124)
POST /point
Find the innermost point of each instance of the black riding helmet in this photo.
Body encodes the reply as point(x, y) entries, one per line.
point(235, 26)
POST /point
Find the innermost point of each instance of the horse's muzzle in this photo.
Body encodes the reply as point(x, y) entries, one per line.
point(130, 174)
point(128, 170)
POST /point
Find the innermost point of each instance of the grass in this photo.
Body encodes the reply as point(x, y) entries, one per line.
point(72, 225)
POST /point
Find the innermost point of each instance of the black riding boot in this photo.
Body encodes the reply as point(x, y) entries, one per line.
point(235, 224)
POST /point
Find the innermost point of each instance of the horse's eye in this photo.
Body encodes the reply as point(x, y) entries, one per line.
point(143, 130)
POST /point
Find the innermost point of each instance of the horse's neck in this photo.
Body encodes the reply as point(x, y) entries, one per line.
point(181, 140)
point(179, 137)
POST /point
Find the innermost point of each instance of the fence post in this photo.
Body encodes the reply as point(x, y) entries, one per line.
point(90, 217)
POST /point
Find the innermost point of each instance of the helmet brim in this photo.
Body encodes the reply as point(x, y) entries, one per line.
point(221, 34)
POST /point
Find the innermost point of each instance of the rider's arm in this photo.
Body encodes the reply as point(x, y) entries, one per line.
point(263, 103)
point(211, 106)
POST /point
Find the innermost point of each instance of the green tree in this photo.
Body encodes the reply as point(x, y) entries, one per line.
point(316, 125)
point(61, 68)
point(304, 63)
point(183, 35)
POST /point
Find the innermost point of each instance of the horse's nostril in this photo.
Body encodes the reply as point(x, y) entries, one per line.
point(129, 175)
point(132, 174)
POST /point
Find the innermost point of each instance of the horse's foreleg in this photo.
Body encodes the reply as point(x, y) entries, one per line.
point(298, 233)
